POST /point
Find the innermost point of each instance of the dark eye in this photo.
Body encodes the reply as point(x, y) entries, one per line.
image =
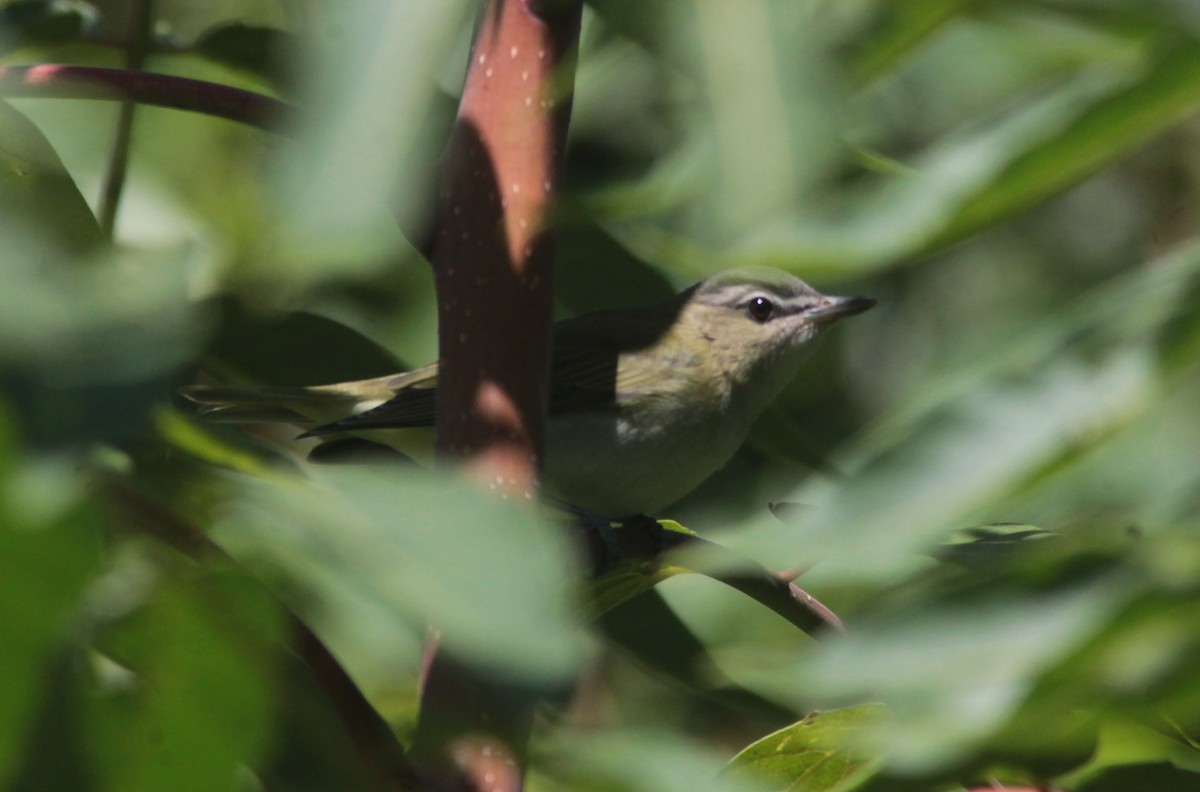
point(760, 309)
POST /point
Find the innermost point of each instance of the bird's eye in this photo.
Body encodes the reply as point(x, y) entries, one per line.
point(760, 309)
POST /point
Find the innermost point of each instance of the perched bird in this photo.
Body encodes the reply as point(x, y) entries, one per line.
point(645, 403)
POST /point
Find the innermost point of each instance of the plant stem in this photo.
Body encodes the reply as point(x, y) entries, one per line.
point(60, 81)
point(140, 30)
point(493, 267)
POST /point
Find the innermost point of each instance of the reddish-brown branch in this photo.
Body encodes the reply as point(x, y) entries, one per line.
point(492, 254)
point(59, 81)
point(493, 266)
point(637, 547)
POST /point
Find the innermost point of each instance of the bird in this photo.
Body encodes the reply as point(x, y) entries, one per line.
point(644, 405)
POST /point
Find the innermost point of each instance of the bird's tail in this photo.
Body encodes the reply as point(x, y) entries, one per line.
point(301, 406)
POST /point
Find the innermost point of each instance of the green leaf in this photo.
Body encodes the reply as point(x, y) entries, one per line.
point(30, 23)
point(904, 25)
point(88, 350)
point(598, 273)
point(975, 180)
point(295, 348)
point(199, 703)
point(1165, 94)
point(1140, 777)
point(951, 672)
point(367, 149)
point(42, 214)
point(637, 760)
point(988, 543)
point(48, 558)
point(960, 461)
point(815, 754)
point(396, 549)
point(258, 50)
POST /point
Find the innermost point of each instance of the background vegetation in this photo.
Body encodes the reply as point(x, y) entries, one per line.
point(994, 475)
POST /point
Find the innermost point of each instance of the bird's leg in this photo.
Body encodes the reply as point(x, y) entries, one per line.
point(651, 529)
point(612, 543)
point(602, 547)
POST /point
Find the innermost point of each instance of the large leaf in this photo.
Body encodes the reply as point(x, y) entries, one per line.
point(396, 550)
point(42, 214)
point(985, 175)
point(48, 558)
point(193, 700)
point(812, 755)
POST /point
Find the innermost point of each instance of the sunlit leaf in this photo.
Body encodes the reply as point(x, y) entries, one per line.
point(639, 761)
point(811, 755)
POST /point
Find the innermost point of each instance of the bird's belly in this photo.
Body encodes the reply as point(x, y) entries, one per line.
point(618, 466)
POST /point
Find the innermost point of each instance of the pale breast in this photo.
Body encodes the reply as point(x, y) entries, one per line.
point(620, 464)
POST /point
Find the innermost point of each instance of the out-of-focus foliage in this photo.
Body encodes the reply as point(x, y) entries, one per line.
point(1017, 183)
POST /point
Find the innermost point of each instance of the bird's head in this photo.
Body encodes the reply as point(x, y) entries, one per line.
point(755, 322)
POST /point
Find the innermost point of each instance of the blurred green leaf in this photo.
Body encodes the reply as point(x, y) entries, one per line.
point(203, 656)
point(973, 180)
point(88, 350)
point(1167, 92)
point(635, 760)
point(951, 673)
point(899, 503)
point(296, 348)
point(42, 214)
point(596, 273)
point(421, 548)
point(56, 742)
point(44, 22)
point(902, 26)
point(811, 755)
point(259, 50)
point(1137, 777)
point(49, 556)
point(988, 543)
point(366, 153)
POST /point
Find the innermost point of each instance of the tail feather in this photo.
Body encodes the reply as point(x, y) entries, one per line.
point(304, 406)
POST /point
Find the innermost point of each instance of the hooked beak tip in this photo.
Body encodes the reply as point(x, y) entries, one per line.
point(838, 307)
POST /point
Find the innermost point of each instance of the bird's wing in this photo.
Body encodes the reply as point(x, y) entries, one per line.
point(584, 370)
point(411, 404)
point(583, 373)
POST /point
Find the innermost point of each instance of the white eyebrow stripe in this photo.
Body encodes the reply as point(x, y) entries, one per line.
point(737, 294)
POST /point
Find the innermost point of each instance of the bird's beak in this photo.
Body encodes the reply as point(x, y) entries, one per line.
point(833, 308)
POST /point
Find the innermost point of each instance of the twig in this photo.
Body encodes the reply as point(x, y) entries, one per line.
point(60, 81)
point(640, 549)
point(141, 23)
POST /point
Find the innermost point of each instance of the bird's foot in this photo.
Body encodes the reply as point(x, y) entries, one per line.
point(613, 543)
